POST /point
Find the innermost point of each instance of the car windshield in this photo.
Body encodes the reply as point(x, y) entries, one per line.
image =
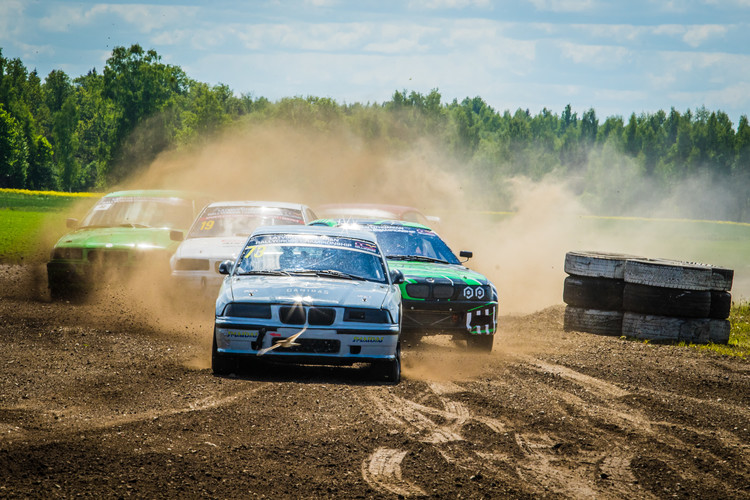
point(240, 221)
point(300, 254)
point(140, 211)
point(413, 244)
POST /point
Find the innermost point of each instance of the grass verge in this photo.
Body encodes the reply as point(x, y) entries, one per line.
point(739, 335)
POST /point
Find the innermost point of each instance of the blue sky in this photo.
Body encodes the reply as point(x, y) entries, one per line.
point(617, 57)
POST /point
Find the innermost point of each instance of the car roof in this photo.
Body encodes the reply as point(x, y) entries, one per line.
point(255, 203)
point(349, 222)
point(360, 234)
point(397, 210)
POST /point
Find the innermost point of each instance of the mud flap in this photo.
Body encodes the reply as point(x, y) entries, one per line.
point(482, 320)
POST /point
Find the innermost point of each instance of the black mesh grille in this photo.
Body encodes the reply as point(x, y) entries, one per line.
point(292, 315)
point(321, 316)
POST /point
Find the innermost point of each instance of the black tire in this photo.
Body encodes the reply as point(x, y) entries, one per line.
point(593, 293)
point(662, 301)
point(593, 321)
point(221, 364)
point(668, 274)
point(664, 328)
point(721, 305)
point(480, 343)
point(390, 370)
point(596, 264)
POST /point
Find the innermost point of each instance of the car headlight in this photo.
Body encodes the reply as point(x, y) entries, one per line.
point(243, 310)
point(364, 315)
point(67, 253)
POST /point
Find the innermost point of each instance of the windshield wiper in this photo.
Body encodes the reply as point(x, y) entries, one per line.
point(331, 273)
point(418, 258)
point(266, 273)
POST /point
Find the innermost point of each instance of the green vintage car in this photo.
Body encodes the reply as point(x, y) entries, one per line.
point(123, 231)
point(440, 295)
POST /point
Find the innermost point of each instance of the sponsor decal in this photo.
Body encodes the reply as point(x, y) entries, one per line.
point(367, 339)
point(241, 334)
point(471, 292)
point(307, 291)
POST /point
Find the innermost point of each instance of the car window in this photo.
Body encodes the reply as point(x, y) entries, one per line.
point(306, 253)
point(397, 241)
point(132, 211)
point(229, 221)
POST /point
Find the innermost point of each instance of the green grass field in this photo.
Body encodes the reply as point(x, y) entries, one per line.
point(32, 221)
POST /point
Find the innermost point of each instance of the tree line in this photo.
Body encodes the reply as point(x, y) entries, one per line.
point(93, 131)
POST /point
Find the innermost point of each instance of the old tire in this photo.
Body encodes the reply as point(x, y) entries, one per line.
point(593, 293)
point(668, 274)
point(721, 304)
point(593, 321)
point(596, 264)
point(662, 301)
point(664, 328)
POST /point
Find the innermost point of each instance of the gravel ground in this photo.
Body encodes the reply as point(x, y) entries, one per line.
point(114, 397)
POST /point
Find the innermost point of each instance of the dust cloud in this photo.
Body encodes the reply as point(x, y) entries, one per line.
point(521, 251)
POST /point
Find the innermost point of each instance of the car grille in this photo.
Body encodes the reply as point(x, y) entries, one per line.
point(312, 346)
point(296, 315)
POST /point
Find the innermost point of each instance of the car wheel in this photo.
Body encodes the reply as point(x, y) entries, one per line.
point(482, 343)
point(390, 370)
point(221, 364)
point(596, 264)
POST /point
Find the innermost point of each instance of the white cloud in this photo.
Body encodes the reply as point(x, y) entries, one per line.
point(448, 4)
point(145, 18)
point(594, 55)
point(10, 12)
point(696, 35)
point(563, 5)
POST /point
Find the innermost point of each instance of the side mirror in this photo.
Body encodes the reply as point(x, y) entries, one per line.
point(397, 277)
point(71, 223)
point(466, 255)
point(226, 267)
point(175, 235)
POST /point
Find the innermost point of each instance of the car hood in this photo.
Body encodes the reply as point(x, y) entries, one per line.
point(454, 272)
point(318, 291)
point(118, 238)
point(211, 248)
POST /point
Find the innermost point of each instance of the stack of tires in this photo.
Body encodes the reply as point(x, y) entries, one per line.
point(656, 299)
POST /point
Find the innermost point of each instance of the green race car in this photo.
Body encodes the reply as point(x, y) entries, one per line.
point(439, 294)
point(123, 231)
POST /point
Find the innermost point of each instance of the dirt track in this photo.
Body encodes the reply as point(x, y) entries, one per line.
point(104, 399)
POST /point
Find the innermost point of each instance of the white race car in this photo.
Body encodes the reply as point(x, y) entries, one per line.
point(219, 233)
point(309, 295)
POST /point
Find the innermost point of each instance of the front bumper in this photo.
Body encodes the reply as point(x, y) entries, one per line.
point(452, 318)
point(317, 345)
